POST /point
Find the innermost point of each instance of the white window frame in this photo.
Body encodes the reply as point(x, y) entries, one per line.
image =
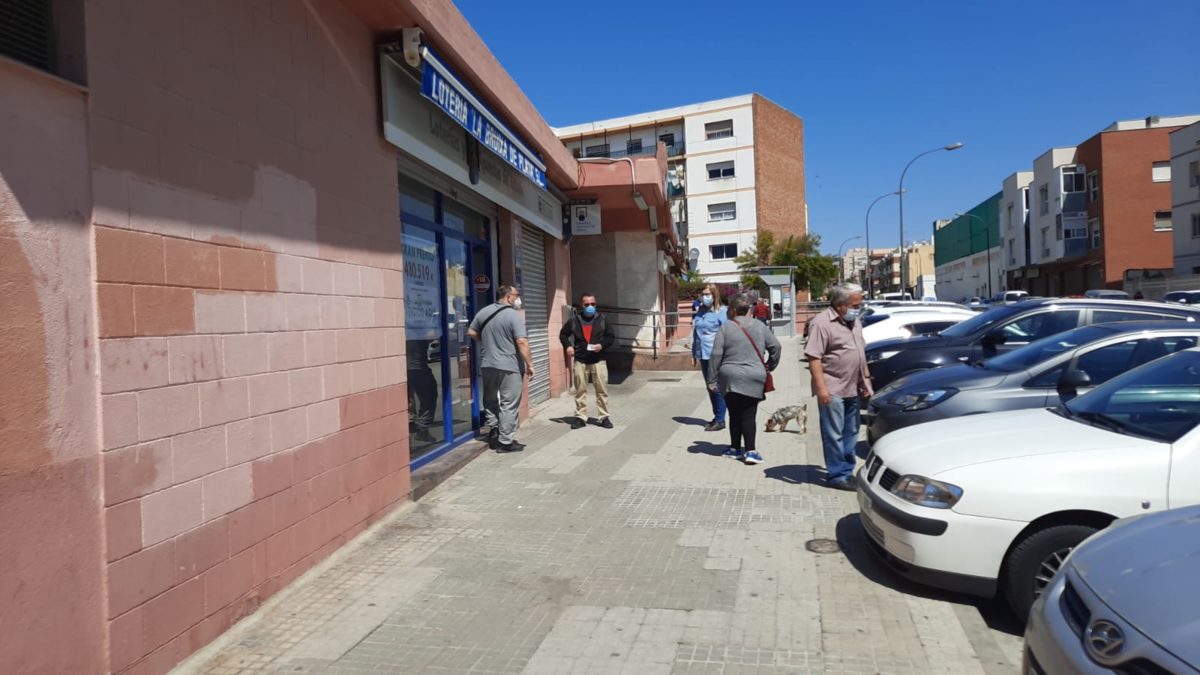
point(718, 214)
point(1160, 172)
point(719, 129)
point(712, 252)
point(1094, 230)
point(1160, 217)
point(724, 170)
point(1093, 186)
point(1044, 198)
point(1074, 171)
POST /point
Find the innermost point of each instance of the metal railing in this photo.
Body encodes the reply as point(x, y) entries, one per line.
point(630, 325)
point(643, 150)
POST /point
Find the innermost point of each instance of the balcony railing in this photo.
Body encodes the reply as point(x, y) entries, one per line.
point(617, 153)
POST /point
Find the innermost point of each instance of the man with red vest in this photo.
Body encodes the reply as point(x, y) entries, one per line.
point(586, 337)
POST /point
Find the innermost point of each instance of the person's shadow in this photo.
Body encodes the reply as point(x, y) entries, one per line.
point(693, 421)
point(797, 474)
point(706, 448)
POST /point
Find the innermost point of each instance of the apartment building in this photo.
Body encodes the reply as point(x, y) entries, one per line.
point(1014, 216)
point(1185, 198)
point(968, 253)
point(735, 168)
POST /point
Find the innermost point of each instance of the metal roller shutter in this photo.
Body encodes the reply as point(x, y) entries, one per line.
point(537, 309)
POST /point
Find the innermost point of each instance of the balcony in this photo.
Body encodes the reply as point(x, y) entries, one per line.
point(637, 151)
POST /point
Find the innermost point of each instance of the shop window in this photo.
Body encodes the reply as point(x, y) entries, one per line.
point(1162, 221)
point(1160, 172)
point(722, 211)
point(718, 170)
point(715, 130)
point(723, 251)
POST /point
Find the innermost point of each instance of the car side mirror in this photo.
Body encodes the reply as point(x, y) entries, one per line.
point(1070, 382)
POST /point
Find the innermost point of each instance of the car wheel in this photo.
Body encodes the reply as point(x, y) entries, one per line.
point(1035, 560)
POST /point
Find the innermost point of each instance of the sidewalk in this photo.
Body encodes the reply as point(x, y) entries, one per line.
point(632, 550)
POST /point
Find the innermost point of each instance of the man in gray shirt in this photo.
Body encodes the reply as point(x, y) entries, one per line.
point(500, 330)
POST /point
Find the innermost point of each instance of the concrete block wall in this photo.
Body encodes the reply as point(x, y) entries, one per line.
point(249, 290)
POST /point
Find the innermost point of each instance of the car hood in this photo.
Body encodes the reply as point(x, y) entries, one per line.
point(934, 448)
point(959, 376)
point(1145, 570)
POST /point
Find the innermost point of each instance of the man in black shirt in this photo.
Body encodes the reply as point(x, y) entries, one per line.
point(586, 337)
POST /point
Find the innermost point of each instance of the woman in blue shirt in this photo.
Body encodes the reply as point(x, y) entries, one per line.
point(705, 325)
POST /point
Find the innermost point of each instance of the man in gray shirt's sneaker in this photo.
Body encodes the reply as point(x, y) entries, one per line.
point(500, 330)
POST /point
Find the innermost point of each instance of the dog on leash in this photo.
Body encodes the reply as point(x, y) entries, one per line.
point(781, 417)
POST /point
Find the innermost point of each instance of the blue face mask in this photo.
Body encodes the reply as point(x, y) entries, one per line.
point(707, 300)
point(852, 314)
point(589, 311)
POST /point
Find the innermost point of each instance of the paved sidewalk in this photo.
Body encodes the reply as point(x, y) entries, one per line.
point(632, 550)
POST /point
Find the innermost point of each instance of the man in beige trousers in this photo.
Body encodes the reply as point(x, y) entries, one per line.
point(587, 338)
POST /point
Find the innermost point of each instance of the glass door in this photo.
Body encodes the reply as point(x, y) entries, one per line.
point(459, 380)
point(423, 339)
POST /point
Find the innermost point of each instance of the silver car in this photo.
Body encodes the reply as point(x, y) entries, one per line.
point(1037, 375)
point(1125, 601)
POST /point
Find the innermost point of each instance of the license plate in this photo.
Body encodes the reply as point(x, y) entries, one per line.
point(865, 512)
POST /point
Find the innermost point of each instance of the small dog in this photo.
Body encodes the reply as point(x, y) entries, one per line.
point(781, 417)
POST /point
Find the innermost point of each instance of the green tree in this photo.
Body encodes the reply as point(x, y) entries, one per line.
point(813, 271)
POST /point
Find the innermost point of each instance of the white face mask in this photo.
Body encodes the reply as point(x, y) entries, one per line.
point(517, 304)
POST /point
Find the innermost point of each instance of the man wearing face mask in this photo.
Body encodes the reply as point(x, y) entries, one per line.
point(586, 337)
point(500, 330)
point(837, 358)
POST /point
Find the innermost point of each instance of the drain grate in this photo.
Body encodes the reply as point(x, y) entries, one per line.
point(665, 379)
point(822, 546)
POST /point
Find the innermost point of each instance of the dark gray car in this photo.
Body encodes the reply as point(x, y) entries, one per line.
point(1037, 375)
point(1124, 602)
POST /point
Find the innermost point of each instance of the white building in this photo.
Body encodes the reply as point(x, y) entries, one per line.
point(1014, 220)
point(1057, 202)
point(854, 263)
point(735, 168)
point(1185, 198)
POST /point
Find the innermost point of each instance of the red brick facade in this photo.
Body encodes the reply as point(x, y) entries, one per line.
point(779, 169)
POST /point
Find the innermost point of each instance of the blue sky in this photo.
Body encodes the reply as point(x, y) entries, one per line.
point(876, 81)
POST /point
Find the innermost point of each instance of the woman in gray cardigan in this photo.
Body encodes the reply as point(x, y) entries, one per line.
point(737, 370)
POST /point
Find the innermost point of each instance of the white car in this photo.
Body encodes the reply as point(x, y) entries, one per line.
point(994, 503)
point(907, 322)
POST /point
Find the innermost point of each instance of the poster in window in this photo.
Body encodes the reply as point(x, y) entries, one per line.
point(421, 280)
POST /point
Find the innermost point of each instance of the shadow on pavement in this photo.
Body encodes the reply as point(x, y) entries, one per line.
point(797, 474)
point(858, 550)
point(618, 376)
point(706, 448)
point(563, 420)
point(693, 421)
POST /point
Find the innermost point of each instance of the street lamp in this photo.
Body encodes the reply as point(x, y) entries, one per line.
point(987, 233)
point(900, 193)
point(870, 281)
point(842, 260)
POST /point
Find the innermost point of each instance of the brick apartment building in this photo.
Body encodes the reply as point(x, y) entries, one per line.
point(1104, 209)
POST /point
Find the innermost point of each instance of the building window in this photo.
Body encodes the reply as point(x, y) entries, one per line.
point(575, 153)
point(1160, 172)
point(667, 139)
point(715, 130)
point(1094, 226)
point(1045, 241)
point(1072, 179)
point(1162, 221)
point(1076, 233)
point(1194, 174)
point(720, 170)
point(27, 33)
point(633, 146)
point(1196, 226)
point(722, 211)
point(596, 150)
point(1008, 217)
point(1025, 197)
point(1093, 186)
point(1058, 229)
point(723, 251)
point(1044, 199)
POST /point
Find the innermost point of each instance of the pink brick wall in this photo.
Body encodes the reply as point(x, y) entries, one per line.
point(250, 308)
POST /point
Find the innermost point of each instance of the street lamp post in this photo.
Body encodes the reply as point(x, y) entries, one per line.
point(987, 233)
point(842, 259)
point(900, 194)
point(867, 227)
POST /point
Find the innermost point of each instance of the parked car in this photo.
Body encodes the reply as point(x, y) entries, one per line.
point(992, 504)
point(1116, 603)
point(1038, 375)
point(1183, 297)
point(1007, 297)
point(1004, 328)
point(1106, 294)
point(905, 323)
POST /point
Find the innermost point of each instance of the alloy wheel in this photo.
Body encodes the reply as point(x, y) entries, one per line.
point(1048, 568)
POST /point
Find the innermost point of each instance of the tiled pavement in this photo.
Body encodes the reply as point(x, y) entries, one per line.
point(631, 550)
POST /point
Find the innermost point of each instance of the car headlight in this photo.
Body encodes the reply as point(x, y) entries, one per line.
point(924, 491)
point(882, 356)
point(921, 400)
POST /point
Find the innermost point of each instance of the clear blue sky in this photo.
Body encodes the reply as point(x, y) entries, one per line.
point(876, 81)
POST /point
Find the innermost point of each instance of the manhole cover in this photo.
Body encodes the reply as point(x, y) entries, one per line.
point(822, 546)
point(665, 379)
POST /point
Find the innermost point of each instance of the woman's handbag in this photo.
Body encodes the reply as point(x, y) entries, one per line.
point(770, 384)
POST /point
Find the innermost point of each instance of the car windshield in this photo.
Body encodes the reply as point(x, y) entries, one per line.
point(979, 322)
point(1024, 358)
point(1159, 401)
